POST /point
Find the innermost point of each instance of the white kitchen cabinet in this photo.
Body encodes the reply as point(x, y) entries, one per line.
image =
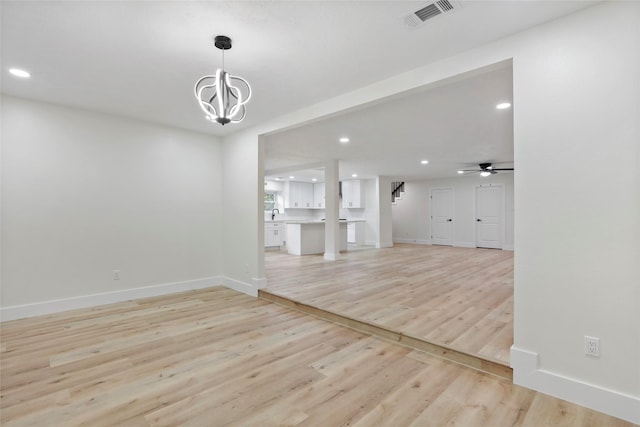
point(292, 195)
point(318, 195)
point(355, 232)
point(298, 195)
point(307, 195)
point(352, 194)
point(273, 234)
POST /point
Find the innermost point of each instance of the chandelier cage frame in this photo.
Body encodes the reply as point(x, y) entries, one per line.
point(220, 100)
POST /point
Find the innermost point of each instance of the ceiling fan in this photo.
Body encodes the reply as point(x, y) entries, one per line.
point(485, 169)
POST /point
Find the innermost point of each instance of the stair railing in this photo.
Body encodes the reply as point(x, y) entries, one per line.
point(397, 188)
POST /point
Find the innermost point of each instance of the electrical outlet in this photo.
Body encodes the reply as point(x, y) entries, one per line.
point(116, 274)
point(592, 346)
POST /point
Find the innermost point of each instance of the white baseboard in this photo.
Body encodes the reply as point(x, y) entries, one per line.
point(527, 373)
point(464, 244)
point(455, 244)
point(259, 283)
point(375, 244)
point(384, 245)
point(414, 241)
point(331, 256)
point(84, 301)
point(246, 288)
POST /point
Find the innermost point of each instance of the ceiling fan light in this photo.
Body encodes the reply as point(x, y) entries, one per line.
point(485, 173)
point(460, 172)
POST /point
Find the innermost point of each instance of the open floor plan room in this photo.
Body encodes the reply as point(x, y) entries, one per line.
point(222, 213)
point(216, 357)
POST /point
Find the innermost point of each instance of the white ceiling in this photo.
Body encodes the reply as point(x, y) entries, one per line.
point(140, 59)
point(452, 126)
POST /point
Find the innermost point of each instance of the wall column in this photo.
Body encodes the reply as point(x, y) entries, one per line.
point(332, 212)
point(385, 220)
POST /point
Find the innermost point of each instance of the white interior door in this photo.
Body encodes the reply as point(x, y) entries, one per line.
point(441, 216)
point(489, 216)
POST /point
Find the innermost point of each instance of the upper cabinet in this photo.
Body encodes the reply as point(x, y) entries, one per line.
point(298, 195)
point(352, 194)
point(307, 195)
point(318, 195)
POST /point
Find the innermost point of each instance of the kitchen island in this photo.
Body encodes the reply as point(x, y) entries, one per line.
point(307, 237)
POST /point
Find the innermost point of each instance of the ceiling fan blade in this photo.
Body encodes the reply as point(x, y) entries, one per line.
point(502, 169)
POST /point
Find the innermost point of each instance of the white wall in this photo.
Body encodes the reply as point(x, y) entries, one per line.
point(411, 213)
point(243, 212)
point(85, 193)
point(576, 109)
point(577, 155)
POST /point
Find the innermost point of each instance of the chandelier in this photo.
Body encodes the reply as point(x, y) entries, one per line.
point(220, 100)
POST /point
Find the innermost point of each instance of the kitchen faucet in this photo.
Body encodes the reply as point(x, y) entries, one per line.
point(273, 213)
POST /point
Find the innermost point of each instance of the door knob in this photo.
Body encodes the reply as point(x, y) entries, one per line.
point(478, 220)
point(449, 220)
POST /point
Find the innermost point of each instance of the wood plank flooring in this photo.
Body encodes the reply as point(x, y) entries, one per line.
point(465, 359)
point(460, 298)
point(219, 358)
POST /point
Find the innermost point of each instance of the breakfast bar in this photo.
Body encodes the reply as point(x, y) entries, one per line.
point(307, 237)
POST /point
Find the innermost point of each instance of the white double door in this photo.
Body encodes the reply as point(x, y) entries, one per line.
point(489, 216)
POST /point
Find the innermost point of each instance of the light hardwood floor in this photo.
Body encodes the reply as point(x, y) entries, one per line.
point(219, 358)
point(460, 298)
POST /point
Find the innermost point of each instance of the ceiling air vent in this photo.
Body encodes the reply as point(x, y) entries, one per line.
point(429, 11)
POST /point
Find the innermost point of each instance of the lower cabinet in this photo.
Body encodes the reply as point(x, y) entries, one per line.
point(355, 232)
point(273, 234)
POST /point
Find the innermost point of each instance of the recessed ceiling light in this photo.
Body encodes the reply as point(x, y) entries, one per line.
point(277, 179)
point(344, 140)
point(503, 105)
point(354, 175)
point(292, 177)
point(314, 179)
point(19, 73)
point(460, 172)
point(424, 162)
